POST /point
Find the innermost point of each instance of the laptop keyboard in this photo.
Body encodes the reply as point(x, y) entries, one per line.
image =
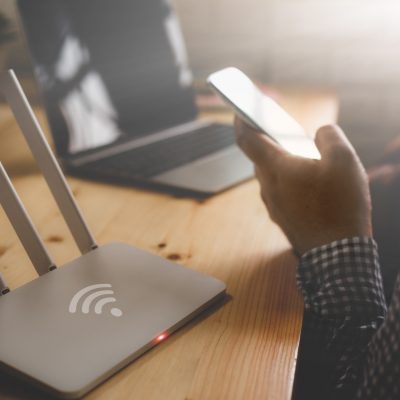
point(153, 159)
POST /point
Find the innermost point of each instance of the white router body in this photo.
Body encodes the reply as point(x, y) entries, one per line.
point(72, 328)
point(69, 352)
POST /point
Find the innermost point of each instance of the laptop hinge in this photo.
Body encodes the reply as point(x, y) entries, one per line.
point(136, 143)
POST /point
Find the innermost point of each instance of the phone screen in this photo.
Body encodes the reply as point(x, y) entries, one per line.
point(239, 92)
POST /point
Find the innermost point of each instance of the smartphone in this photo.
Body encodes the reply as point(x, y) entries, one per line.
point(262, 112)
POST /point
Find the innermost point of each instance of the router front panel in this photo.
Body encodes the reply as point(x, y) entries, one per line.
point(75, 326)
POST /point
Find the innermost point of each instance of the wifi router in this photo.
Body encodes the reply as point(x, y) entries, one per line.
point(75, 326)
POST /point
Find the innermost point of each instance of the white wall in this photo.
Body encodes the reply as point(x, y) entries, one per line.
point(352, 46)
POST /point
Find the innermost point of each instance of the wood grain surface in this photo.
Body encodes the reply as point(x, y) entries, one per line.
point(243, 349)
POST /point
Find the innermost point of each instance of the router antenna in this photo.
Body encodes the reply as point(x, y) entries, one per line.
point(23, 225)
point(51, 171)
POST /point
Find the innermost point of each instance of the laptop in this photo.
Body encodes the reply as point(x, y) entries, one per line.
point(119, 98)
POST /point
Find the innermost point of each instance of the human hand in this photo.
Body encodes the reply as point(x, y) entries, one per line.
point(314, 202)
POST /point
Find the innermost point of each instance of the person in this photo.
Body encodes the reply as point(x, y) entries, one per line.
point(352, 339)
point(384, 182)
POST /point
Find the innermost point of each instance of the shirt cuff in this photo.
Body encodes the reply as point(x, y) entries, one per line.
point(342, 279)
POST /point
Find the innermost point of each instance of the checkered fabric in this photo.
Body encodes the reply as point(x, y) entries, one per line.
point(351, 336)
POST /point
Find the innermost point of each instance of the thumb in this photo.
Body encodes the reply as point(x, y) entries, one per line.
point(332, 142)
point(256, 145)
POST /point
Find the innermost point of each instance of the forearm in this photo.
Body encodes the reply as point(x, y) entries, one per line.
point(344, 306)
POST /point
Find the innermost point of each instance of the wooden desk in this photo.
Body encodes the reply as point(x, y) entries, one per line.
point(245, 349)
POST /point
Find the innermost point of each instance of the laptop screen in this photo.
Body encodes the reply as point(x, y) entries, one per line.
point(108, 70)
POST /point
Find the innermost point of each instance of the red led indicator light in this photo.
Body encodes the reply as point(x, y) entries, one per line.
point(161, 337)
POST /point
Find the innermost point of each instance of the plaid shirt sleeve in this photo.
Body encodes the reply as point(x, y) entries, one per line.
point(354, 342)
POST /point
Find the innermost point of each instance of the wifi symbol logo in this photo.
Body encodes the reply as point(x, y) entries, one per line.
point(99, 295)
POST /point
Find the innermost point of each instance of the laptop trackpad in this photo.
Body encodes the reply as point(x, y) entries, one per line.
point(212, 173)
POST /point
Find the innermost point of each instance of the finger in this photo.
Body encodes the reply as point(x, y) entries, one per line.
point(255, 144)
point(332, 142)
point(263, 181)
point(257, 173)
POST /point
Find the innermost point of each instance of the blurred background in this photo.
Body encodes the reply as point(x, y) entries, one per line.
point(351, 47)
